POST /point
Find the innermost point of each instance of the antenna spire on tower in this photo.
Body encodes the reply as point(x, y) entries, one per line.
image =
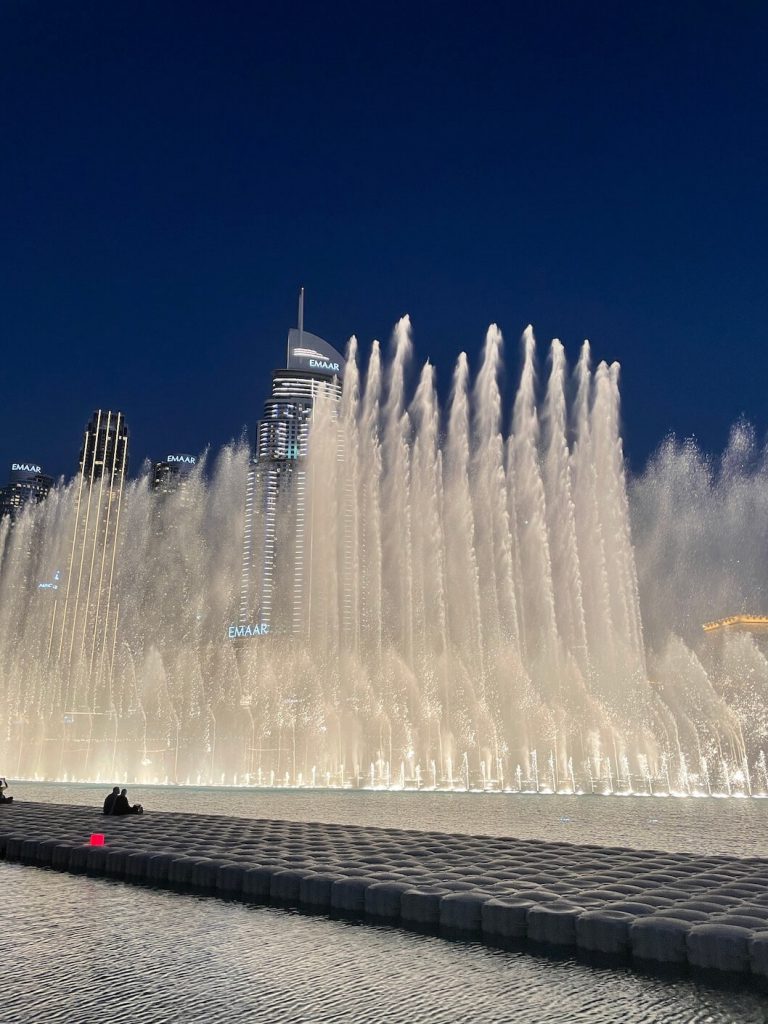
point(300, 326)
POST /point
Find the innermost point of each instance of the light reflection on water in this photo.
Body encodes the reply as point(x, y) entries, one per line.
point(84, 950)
point(706, 826)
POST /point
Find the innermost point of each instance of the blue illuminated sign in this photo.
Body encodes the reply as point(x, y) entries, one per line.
point(24, 467)
point(256, 629)
point(308, 352)
point(324, 365)
point(52, 584)
point(187, 460)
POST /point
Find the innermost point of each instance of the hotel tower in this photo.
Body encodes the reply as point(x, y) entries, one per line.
point(275, 550)
point(27, 485)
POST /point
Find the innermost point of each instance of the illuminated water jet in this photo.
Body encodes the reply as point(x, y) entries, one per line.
point(474, 614)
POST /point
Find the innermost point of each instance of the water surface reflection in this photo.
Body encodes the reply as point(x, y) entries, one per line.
point(87, 950)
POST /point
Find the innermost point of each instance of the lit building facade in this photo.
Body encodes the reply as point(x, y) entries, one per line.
point(26, 483)
point(172, 473)
point(85, 616)
point(273, 585)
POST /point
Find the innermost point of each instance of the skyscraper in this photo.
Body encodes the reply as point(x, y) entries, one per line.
point(27, 483)
point(84, 626)
point(171, 474)
point(273, 586)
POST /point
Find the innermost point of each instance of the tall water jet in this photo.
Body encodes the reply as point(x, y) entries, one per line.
point(561, 514)
point(461, 608)
point(537, 594)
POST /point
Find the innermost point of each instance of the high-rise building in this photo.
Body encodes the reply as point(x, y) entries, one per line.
point(172, 473)
point(85, 616)
point(27, 483)
point(273, 585)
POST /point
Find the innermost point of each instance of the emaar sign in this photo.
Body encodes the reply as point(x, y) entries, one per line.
point(24, 467)
point(185, 460)
point(326, 367)
point(308, 352)
point(256, 629)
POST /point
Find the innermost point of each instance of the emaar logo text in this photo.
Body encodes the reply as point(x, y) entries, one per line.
point(258, 629)
point(190, 460)
point(24, 467)
point(323, 364)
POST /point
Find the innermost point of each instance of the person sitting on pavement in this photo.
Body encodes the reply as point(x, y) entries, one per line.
point(122, 806)
point(109, 803)
point(3, 798)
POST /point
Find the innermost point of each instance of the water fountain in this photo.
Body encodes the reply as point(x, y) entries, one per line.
point(473, 607)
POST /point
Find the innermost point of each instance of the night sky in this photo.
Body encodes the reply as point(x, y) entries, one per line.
point(170, 173)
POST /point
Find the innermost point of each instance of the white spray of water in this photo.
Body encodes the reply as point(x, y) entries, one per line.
point(472, 607)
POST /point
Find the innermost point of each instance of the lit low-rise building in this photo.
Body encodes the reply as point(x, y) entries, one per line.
point(26, 483)
point(172, 473)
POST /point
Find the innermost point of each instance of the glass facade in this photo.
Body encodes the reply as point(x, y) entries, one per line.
point(172, 473)
point(27, 483)
point(272, 594)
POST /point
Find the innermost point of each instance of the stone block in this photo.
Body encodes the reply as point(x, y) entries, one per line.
point(462, 911)
point(505, 918)
point(604, 931)
point(315, 890)
point(382, 900)
point(348, 894)
point(554, 923)
point(661, 939)
point(256, 883)
point(724, 947)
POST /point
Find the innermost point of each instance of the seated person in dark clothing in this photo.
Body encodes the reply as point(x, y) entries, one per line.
point(3, 798)
point(109, 803)
point(123, 807)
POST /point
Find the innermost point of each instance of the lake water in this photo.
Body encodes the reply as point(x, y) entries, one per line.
point(78, 950)
point(699, 825)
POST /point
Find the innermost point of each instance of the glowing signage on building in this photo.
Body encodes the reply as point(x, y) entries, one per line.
point(24, 467)
point(186, 460)
point(51, 584)
point(255, 629)
point(321, 364)
point(308, 352)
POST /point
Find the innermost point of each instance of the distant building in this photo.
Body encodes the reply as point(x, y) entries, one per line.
point(104, 451)
point(273, 586)
point(719, 632)
point(26, 483)
point(743, 623)
point(172, 473)
point(85, 617)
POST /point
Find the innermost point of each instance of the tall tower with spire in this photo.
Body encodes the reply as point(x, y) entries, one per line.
point(275, 544)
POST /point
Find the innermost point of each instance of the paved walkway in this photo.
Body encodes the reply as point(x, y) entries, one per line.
point(708, 912)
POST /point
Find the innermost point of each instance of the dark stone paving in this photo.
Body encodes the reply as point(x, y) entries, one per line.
point(678, 908)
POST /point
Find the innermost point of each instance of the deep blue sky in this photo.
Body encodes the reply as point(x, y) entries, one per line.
point(171, 172)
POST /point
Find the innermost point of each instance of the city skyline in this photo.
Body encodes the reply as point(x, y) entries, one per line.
point(149, 464)
point(168, 472)
point(598, 176)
